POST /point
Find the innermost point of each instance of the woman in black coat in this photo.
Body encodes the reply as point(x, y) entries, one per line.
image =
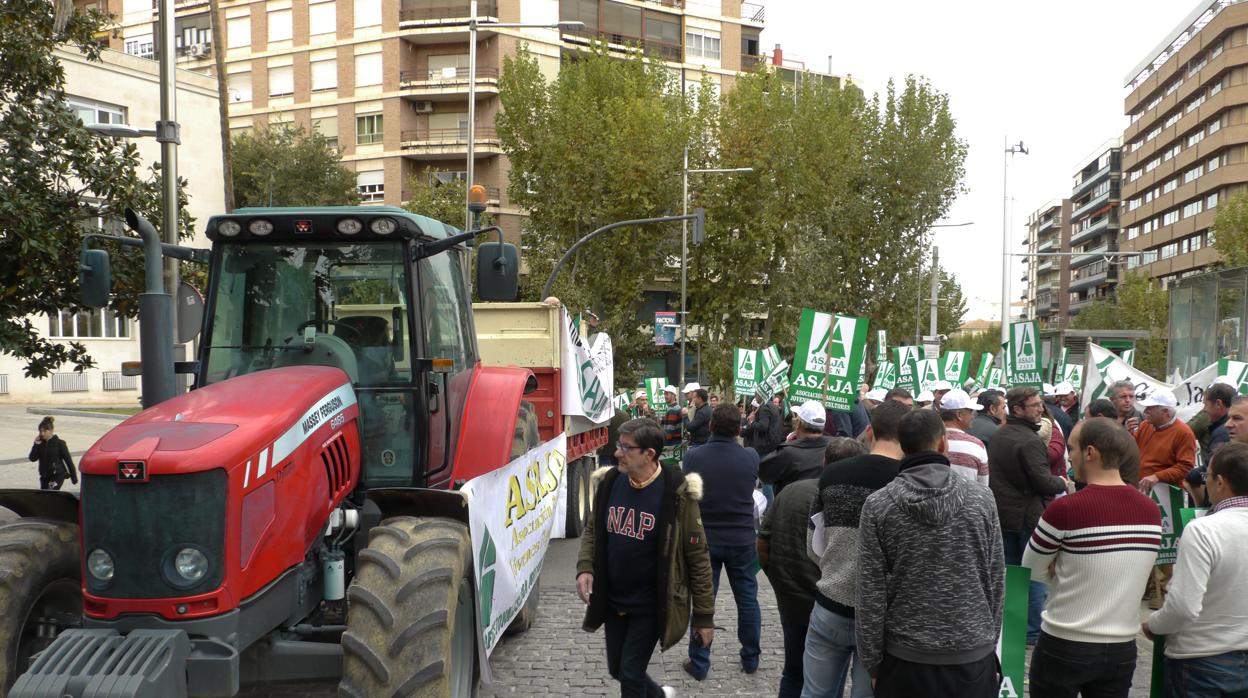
point(55, 464)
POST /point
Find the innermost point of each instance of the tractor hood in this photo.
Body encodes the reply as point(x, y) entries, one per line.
point(224, 424)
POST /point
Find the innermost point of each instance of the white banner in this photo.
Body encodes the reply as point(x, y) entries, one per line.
point(1104, 368)
point(511, 512)
point(588, 374)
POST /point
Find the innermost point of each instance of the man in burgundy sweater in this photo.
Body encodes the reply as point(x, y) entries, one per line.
point(1094, 549)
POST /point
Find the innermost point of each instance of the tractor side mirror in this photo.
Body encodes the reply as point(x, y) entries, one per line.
point(95, 278)
point(498, 271)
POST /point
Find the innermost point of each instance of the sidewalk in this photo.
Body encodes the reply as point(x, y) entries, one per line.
point(18, 429)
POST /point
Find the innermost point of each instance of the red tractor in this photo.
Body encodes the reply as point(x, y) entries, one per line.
point(295, 515)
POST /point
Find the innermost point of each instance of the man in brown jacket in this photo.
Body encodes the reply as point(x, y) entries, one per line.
point(644, 559)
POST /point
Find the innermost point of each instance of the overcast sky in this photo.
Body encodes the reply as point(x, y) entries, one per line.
point(1050, 74)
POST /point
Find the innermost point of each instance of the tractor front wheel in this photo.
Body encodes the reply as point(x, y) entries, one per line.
point(410, 629)
point(40, 590)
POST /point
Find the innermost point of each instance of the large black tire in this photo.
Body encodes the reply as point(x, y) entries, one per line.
point(580, 499)
point(528, 612)
point(40, 590)
point(410, 629)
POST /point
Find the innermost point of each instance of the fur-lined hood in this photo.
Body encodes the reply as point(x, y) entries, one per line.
point(692, 481)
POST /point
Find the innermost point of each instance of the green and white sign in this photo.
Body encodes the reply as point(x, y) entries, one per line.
point(777, 379)
point(929, 373)
point(1128, 355)
point(1237, 371)
point(621, 402)
point(881, 346)
point(745, 376)
point(907, 359)
point(828, 359)
point(985, 370)
point(885, 376)
point(994, 379)
point(1073, 374)
point(1169, 500)
point(1024, 354)
point(955, 366)
point(654, 392)
point(1012, 644)
point(1059, 369)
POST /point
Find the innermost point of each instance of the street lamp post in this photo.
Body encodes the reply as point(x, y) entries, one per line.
point(1005, 237)
point(918, 294)
point(473, 25)
point(684, 248)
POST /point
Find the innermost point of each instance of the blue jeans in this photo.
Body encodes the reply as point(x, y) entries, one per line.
point(739, 561)
point(831, 649)
point(1015, 543)
point(1219, 676)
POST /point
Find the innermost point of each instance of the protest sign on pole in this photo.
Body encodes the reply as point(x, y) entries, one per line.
point(621, 402)
point(1012, 643)
point(929, 373)
point(830, 350)
point(994, 378)
point(1128, 355)
point(1170, 500)
point(906, 358)
point(1059, 368)
point(885, 376)
point(588, 373)
point(1237, 371)
point(776, 380)
point(1024, 354)
point(654, 392)
point(745, 377)
point(881, 346)
point(511, 512)
point(1007, 365)
point(1073, 374)
point(955, 366)
point(985, 371)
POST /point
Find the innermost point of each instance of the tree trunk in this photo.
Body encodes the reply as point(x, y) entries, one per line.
point(223, 100)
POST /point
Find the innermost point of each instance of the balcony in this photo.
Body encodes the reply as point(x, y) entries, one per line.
point(1080, 281)
point(1093, 230)
point(619, 42)
point(434, 143)
point(749, 62)
point(1114, 194)
point(1092, 179)
point(1047, 223)
point(444, 13)
point(753, 12)
point(427, 84)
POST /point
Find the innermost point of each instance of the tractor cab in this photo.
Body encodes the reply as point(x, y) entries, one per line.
point(374, 291)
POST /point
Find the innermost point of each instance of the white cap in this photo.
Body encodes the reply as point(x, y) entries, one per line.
point(877, 395)
point(1160, 398)
point(1047, 389)
point(957, 399)
point(1063, 388)
point(925, 396)
point(690, 387)
point(1224, 380)
point(811, 412)
point(640, 393)
point(942, 385)
point(671, 389)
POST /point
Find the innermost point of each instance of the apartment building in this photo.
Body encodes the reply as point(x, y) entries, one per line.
point(387, 80)
point(123, 89)
point(1186, 148)
point(1047, 278)
point(1092, 270)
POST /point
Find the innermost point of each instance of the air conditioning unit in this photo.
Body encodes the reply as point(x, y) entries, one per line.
point(423, 106)
point(199, 50)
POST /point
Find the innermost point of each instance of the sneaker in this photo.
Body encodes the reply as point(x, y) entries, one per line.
point(668, 692)
point(690, 670)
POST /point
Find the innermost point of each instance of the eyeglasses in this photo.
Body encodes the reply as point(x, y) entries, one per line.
point(621, 446)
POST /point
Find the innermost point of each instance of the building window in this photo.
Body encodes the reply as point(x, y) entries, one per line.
point(281, 81)
point(702, 44)
point(1194, 207)
point(141, 47)
point(1191, 106)
point(280, 28)
point(1174, 118)
point(239, 86)
point(368, 69)
point(1153, 133)
point(1170, 217)
point(88, 324)
point(1134, 174)
point(92, 112)
point(1133, 232)
point(1152, 164)
point(371, 185)
point(1214, 163)
point(1174, 85)
point(1195, 138)
point(238, 32)
point(368, 129)
point(327, 127)
point(1169, 250)
point(440, 177)
point(367, 13)
point(324, 74)
point(1211, 201)
point(322, 18)
point(1192, 174)
point(1197, 242)
point(1172, 151)
point(1214, 126)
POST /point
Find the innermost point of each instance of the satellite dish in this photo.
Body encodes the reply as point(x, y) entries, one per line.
point(190, 312)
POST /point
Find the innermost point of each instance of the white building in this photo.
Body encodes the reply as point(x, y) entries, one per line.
point(121, 88)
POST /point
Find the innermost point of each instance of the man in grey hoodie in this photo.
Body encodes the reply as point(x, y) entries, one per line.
point(931, 576)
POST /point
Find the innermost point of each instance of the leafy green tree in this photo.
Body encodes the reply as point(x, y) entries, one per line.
point(59, 180)
point(1140, 303)
point(288, 166)
point(443, 201)
point(1230, 229)
point(977, 343)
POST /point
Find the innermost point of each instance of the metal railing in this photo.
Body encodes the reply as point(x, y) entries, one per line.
point(752, 12)
point(4, 384)
point(425, 136)
point(69, 382)
point(114, 380)
point(750, 61)
point(434, 11)
point(665, 50)
point(444, 76)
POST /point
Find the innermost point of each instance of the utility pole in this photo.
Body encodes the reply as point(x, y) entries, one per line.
point(169, 136)
point(935, 291)
point(1005, 237)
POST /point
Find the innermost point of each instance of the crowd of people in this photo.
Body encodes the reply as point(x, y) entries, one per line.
point(885, 531)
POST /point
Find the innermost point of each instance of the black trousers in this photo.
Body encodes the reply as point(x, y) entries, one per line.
point(898, 678)
point(631, 638)
point(794, 622)
point(1065, 669)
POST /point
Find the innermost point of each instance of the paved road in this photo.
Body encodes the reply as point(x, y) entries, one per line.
point(18, 429)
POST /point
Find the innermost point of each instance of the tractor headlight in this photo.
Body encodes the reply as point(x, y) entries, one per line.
point(229, 228)
point(187, 567)
point(260, 227)
point(100, 565)
point(383, 226)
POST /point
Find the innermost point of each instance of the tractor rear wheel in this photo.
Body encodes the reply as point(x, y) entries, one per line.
point(580, 501)
point(410, 629)
point(40, 590)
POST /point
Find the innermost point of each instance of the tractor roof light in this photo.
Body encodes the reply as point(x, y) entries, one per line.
point(383, 226)
point(229, 228)
point(349, 226)
point(260, 227)
point(476, 198)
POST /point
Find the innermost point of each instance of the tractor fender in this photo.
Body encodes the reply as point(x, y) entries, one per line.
point(488, 426)
point(41, 504)
point(418, 501)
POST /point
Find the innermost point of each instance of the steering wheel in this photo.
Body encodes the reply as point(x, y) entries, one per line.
point(353, 337)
